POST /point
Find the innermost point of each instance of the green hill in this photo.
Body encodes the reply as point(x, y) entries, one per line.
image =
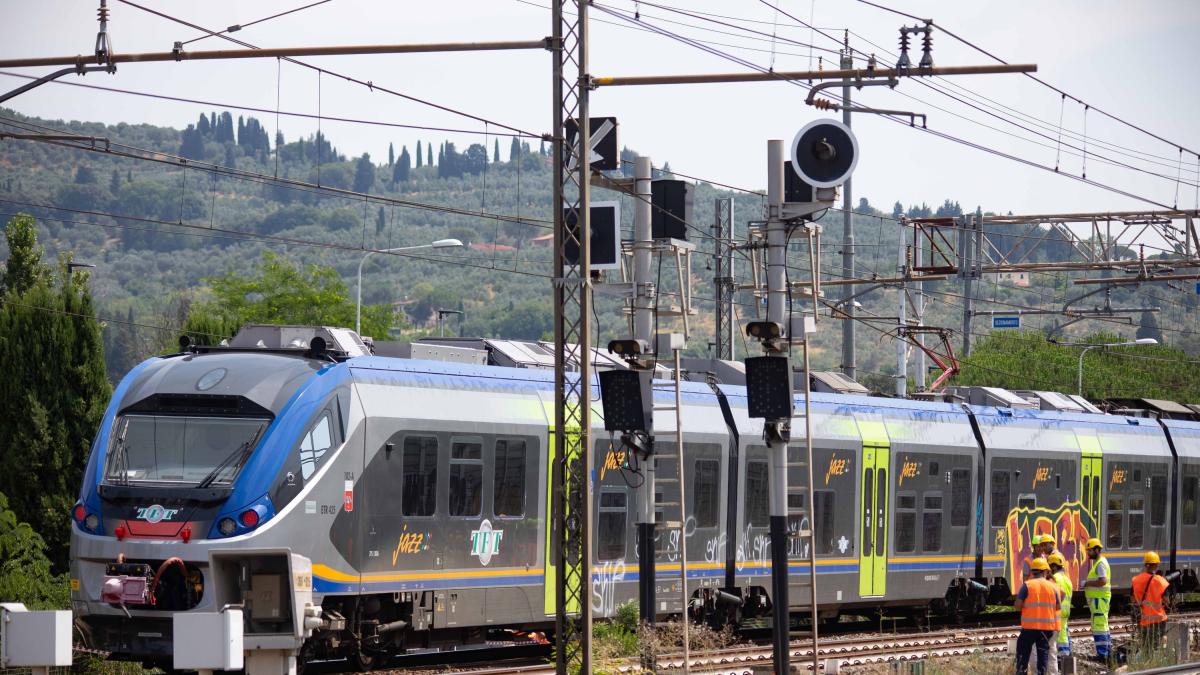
point(156, 229)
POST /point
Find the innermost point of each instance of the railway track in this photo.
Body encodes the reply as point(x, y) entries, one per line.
point(848, 651)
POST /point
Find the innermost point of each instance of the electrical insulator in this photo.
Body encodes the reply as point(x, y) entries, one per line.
point(927, 48)
point(903, 61)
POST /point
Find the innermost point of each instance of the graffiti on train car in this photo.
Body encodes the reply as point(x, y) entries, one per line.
point(1070, 524)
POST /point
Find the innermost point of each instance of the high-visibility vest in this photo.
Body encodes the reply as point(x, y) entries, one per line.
point(1068, 589)
point(1105, 591)
point(1148, 591)
point(1039, 610)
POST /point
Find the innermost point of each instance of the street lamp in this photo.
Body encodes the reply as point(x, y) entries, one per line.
point(440, 243)
point(1086, 348)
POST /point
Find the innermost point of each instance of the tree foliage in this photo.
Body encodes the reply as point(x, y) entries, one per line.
point(1026, 360)
point(54, 388)
point(25, 571)
point(280, 291)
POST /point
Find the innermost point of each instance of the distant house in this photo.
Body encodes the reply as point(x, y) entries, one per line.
point(544, 240)
point(1019, 279)
point(491, 248)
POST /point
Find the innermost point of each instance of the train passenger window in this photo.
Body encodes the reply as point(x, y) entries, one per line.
point(610, 539)
point(466, 478)
point(508, 488)
point(906, 522)
point(1191, 491)
point(931, 523)
point(757, 494)
point(1158, 501)
point(1137, 520)
point(1112, 526)
point(419, 489)
point(1000, 497)
point(704, 486)
point(314, 445)
point(933, 470)
point(960, 498)
point(824, 504)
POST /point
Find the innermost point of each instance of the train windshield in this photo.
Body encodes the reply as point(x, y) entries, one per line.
point(174, 449)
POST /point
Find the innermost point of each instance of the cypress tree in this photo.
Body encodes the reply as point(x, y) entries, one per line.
point(401, 169)
point(429, 154)
point(391, 155)
point(496, 153)
point(380, 221)
point(514, 150)
point(419, 157)
point(54, 384)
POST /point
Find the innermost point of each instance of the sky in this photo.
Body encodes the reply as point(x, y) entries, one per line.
point(1129, 58)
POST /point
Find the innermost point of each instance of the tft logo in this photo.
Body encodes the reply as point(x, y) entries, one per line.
point(155, 513)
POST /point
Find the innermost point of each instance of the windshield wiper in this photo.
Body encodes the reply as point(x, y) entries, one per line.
point(234, 459)
point(120, 458)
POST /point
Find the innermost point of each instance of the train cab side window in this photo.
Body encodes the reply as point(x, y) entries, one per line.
point(706, 501)
point(610, 540)
point(1158, 501)
point(931, 523)
point(1112, 526)
point(508, 490)
point(757, 494)
point(906, 522)
point(1191, 492)
point(960, 498)
point(1027, 502)
point(466, 478)
point(1000, 497)
point(419, 489)
point(1137, 520)
point(314, 445)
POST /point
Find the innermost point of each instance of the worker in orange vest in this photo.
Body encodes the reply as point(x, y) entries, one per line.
point(1149, 589)
point(1039, 601)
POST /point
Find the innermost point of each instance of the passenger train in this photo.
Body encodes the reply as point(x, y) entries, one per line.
point(420, 491)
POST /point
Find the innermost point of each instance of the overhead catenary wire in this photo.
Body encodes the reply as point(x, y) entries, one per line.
point(237, 27)
point(372, 86)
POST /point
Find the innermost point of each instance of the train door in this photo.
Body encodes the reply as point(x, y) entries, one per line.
point(872, 556)
point(1091, 476)
point(554, 477)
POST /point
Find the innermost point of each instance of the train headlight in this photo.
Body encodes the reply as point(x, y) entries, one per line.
point(227, 526)
point(91, 522)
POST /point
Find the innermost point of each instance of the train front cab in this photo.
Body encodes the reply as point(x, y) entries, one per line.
point(1073, 476)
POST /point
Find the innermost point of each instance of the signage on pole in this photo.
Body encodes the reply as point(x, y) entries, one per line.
point(603, 153)
point(1006, 321)
point(605, 243)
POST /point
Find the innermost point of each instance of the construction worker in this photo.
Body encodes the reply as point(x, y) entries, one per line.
point(1039, 601)
point(1058, 566)
point(1049, 546)
point(1098, 592)
point(1035, 548)
point(1148, 591)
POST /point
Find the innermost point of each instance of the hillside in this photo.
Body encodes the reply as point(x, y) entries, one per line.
point(156, 230)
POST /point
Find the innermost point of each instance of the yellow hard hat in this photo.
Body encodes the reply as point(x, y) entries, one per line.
point(1093, 543)
point(1151, 557)
point(1057, 559)
point(1048, 539)
point(1038, 564)
point(1037, 539)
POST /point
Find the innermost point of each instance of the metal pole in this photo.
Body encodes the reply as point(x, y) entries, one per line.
point(687, 652)
point(723, 279)
point(967, 270)
point(849, 351)
point(572, 337)
point(334, 50)
point(358, 295)
point(901, 321)
point(777, 312)
point(814, 249)
point(643, 329)
point(1082, 353)
point(920, 310)
point(855, 74)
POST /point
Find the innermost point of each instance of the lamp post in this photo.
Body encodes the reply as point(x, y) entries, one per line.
point(443, 312)
point(440, 243)
point(1086, 348)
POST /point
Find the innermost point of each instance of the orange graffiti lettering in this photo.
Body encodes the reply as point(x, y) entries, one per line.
point(909, 470)
point(1070, 524)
